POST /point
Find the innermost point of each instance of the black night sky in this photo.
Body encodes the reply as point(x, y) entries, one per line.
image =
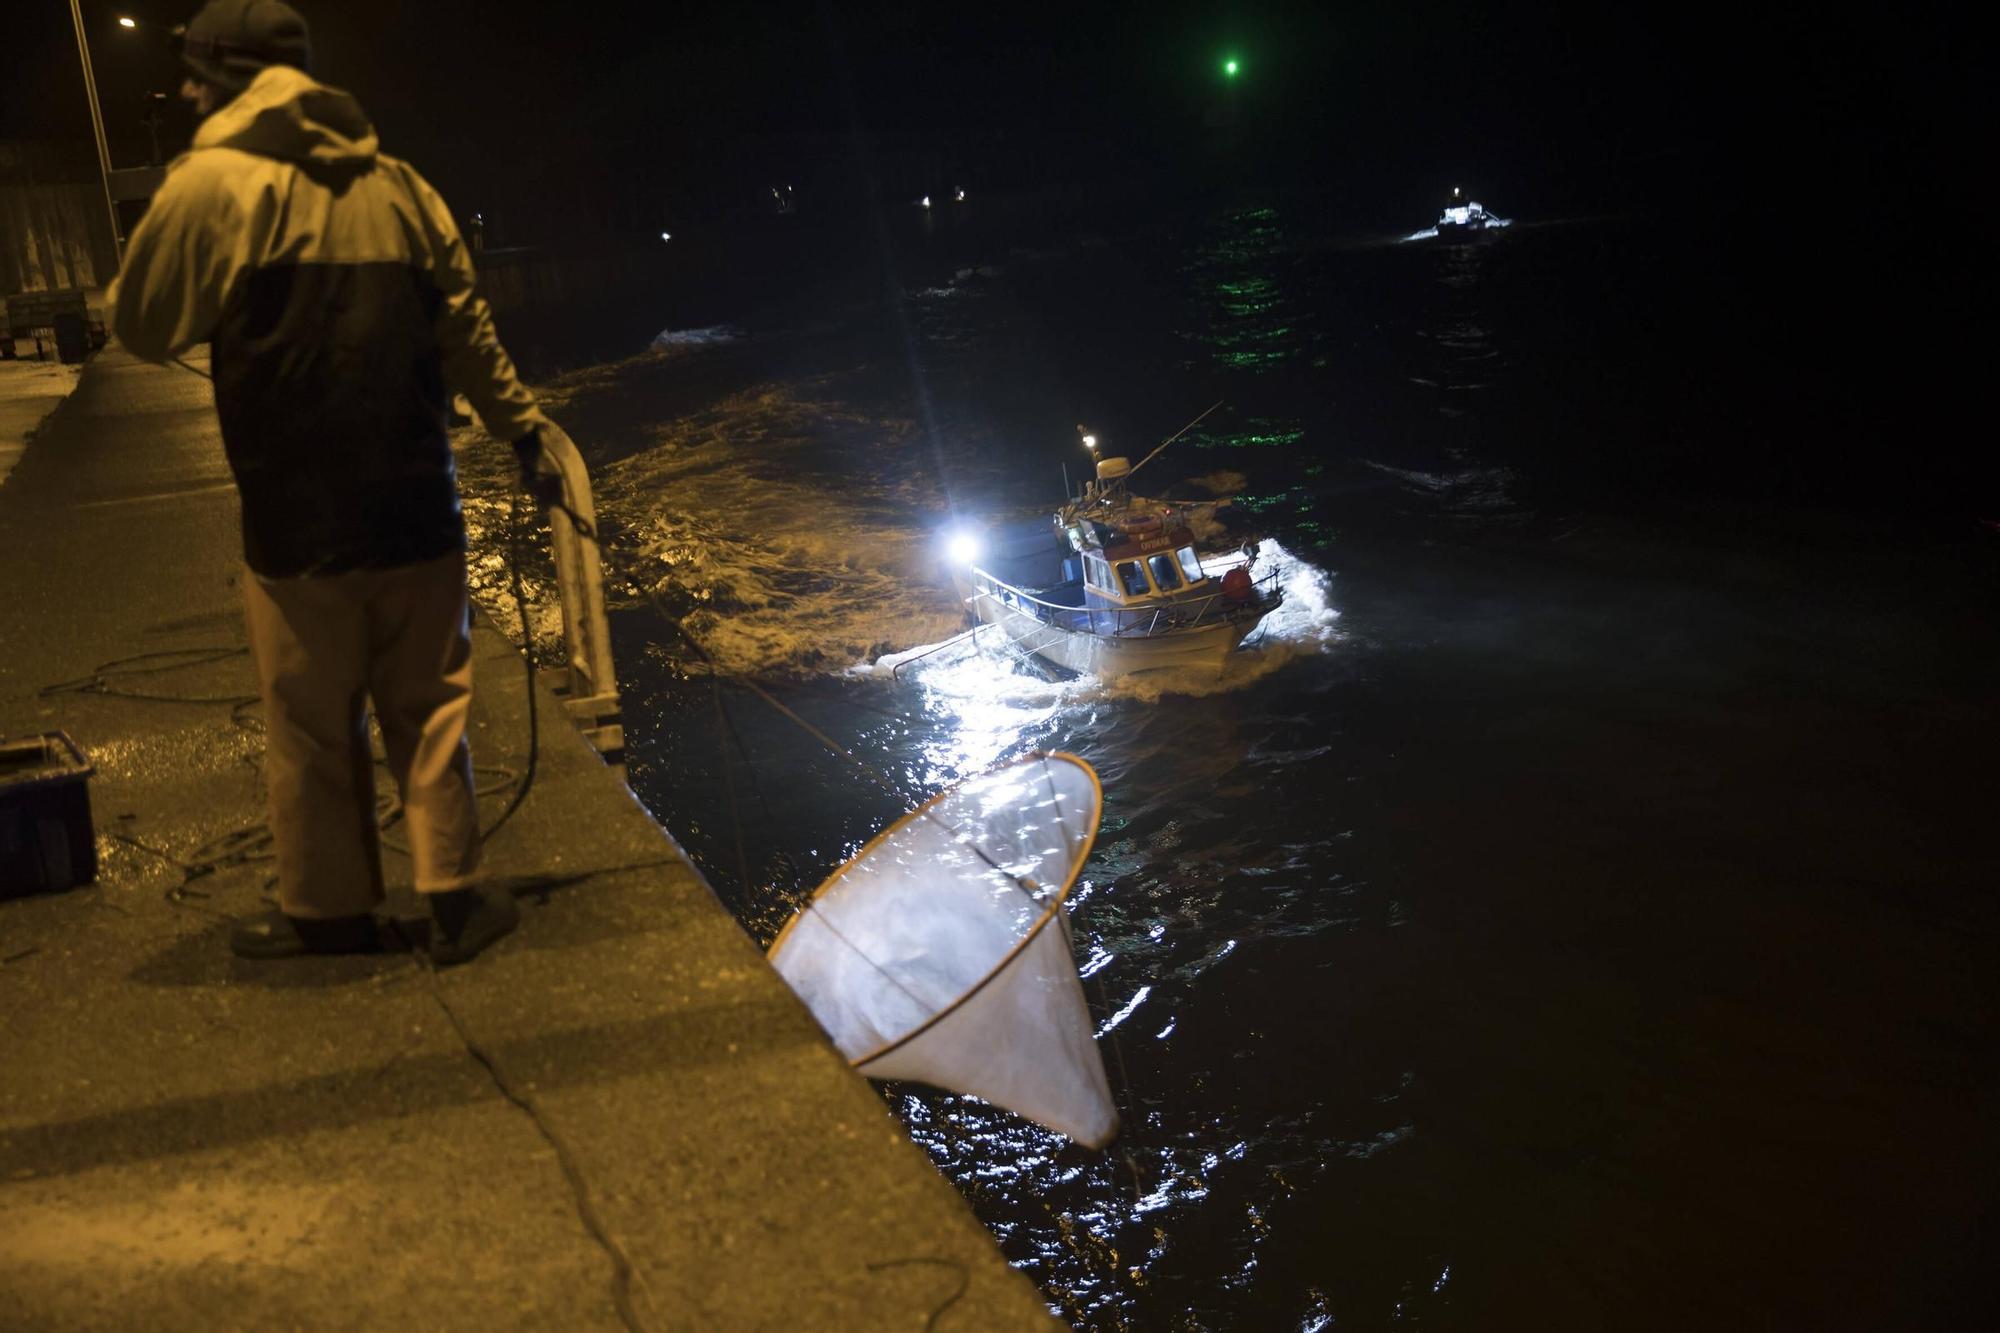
point(1551, 106)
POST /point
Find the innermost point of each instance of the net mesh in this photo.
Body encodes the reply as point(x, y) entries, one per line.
point(940, 953)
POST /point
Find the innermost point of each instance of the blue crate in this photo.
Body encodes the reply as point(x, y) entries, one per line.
point(46, 838)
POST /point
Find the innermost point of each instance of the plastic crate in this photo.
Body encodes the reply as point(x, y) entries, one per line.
point(46, 838)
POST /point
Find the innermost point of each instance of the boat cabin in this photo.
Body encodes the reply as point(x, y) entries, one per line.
point(1157, 563)
point(1128, 550)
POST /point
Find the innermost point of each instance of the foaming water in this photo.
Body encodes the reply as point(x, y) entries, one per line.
point(775, 567)
point(708, 337)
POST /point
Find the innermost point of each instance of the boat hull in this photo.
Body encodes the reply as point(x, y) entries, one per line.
point(1198, 647)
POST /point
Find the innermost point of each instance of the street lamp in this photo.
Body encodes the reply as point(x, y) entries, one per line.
point(97, 124)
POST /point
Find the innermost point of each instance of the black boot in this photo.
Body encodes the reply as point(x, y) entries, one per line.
point(465, 921)
point(274, 935)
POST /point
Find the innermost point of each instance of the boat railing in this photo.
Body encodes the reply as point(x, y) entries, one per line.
point(1121, 622)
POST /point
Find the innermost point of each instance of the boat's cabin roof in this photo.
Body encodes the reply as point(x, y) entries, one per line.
point(1145, 561)
point(1133, 550)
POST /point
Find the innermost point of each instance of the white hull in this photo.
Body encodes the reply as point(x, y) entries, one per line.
point(1203, 646)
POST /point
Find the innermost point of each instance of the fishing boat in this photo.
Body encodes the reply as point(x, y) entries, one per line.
point(1466, 217)
point(1113, 583)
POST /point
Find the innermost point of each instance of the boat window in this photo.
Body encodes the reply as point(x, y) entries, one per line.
point(1134, 578)
point(1096, 573)
point(1190, 566)
point(1164, 573)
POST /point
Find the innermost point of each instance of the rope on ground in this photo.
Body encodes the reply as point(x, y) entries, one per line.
point(179, 894)
point(104, 679)
point(253, 843)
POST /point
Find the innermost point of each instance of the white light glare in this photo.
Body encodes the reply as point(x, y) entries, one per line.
point(1090, 441)
point(124, 22)
point(924, 202)
point(666, 236)
point(962, 547)
point(961, 196)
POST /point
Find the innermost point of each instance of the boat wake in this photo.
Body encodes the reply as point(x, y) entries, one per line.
point(708, 337)
point(785, 529)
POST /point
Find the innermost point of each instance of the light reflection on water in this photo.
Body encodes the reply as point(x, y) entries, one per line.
point(1158, 915)
point(1245, 315)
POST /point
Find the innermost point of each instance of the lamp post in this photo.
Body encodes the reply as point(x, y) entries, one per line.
point(97, 124)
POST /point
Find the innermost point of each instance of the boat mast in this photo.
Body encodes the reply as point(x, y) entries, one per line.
point(1171, 438)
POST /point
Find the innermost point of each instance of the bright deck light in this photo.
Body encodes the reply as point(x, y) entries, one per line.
point(124, 22)
point(666, 236)
point(1090, 441)
point(962, 547)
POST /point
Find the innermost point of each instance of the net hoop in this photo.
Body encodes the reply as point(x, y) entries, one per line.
point(1051, 909)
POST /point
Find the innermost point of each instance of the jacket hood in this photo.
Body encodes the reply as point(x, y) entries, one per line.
point(286, 114)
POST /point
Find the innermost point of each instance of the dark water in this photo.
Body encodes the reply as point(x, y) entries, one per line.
point(1578, 915)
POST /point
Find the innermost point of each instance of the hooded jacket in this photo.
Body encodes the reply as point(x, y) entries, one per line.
point(338, 300)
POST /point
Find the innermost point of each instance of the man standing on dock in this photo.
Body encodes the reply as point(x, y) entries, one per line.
point(338, 299)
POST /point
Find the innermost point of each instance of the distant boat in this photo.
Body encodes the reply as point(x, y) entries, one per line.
point(1112, 584)
point(1463, 219)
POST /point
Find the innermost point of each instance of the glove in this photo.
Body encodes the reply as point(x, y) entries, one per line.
point(540, 477)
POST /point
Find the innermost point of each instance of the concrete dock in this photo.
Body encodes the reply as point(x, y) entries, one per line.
point(618, 1117)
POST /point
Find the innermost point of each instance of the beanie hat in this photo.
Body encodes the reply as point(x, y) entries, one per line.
point(231, 41)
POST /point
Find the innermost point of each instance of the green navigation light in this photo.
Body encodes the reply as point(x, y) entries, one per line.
point(1229, 67)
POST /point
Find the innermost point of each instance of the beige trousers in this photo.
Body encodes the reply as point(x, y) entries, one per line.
point(324, 647)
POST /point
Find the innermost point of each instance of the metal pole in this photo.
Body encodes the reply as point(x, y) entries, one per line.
point(97, 124)
point(1171, 438)
point(153, 101)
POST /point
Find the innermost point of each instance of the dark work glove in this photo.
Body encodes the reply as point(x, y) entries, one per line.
point(540, 477)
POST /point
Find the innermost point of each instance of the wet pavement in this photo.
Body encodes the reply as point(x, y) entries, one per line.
point(29, 391)
point(618, 1117)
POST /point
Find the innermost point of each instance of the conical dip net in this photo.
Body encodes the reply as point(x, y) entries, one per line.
point(941, 954)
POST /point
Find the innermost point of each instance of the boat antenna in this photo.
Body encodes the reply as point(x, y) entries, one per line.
point(1175, 436)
